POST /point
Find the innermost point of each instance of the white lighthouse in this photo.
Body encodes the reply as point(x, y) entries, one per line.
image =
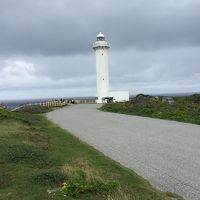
point(101, 47)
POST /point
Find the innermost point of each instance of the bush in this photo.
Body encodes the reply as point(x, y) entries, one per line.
point(195, 98)
point(5, 114)
point(184, 109)
point(34, 109)
point(49, 177)
point(28, 154)
point(28, 118)
point(5, 180)
point(76, 186)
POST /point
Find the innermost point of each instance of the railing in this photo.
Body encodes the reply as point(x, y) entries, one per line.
point(101, 44)
point(58, 103)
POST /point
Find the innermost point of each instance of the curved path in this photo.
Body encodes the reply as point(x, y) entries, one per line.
point(166, 153)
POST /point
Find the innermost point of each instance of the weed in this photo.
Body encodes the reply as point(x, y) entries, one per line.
point(34, 109)
point(76, 169)
point(23, 153)
point(5, 114)
point(32, 150)
point(119, 194)
point(76, 186)
point(5, 180)
point(183, 109)
point(50, 177)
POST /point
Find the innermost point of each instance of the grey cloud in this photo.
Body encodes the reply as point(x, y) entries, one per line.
point(66, 27)
point(138, 70)
point(166, 63)
point(155, 46)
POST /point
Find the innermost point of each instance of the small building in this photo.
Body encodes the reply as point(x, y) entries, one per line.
point(168, 99)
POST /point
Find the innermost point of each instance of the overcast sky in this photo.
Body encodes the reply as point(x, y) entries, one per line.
point(46, 46)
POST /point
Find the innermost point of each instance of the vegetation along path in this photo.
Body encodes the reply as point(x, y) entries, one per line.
point(40, 161)
point(167, 153)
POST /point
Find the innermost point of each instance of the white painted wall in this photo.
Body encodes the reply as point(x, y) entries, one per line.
point(119, 96)
point(102, 72)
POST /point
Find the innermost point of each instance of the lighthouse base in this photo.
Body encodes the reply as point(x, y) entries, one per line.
point(116, 96)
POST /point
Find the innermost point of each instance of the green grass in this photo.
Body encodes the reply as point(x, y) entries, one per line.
point(37, 156)
point(5, 114)
point(35, 109)
point(183, 109)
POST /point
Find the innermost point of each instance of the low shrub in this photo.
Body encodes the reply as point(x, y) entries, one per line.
point(50, 177)
point(184, 109)
point(194, 98)
point(77, 186)
point(5, 180)
point(29, 119)
point(5, 114)
point(34, 109)
point(28, 154)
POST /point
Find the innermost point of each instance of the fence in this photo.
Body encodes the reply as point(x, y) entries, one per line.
point(59, 103)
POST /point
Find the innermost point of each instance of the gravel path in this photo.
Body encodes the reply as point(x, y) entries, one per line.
point(166, 153)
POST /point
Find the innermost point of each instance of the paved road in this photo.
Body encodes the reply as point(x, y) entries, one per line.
point(166, 153)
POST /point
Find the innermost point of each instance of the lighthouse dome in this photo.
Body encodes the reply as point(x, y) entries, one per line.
point(100, 35)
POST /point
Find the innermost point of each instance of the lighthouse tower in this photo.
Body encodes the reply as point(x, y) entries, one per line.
point(101, 47)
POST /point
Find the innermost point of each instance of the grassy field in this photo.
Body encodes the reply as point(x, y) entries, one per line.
point(183, 109)
point(37, 157)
